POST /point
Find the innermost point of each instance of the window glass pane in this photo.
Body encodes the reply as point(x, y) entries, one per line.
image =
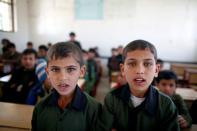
point(5, 17)
point(7, 1)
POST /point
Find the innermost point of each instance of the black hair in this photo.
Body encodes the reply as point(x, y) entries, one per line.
point(91, 50)
point(159, 60)
point(30, 51)
point(65, 49)
point(139, 44)
point(42, 47)
point(113, 49)
point(30, 43)
point(72, 34)
point(11, 45)
point(167, 75)
point(5, 40)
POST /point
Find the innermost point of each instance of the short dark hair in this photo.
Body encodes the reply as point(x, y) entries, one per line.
point(167, 75)
point(91, 50)
point(5, 40)
point(159, 60)
point(30, 51)
point(42, 47)
point(139, 44)
point(65, 49)
point(72, 34)
point(11, 45)
point(30, 43)
point(113, 49)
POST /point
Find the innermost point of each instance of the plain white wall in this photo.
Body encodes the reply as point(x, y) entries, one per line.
point(20, 36)
point(169, 24)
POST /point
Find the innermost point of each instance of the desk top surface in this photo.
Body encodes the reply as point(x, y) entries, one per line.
point(15, 115)
point(187, 93)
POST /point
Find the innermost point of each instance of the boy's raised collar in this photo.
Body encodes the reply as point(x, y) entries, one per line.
point(150, 103)
point(78, 101)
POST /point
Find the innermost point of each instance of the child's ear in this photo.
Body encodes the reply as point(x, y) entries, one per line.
point(83, 70)
point(46, 70)
point(157, 70)
point(122, 69)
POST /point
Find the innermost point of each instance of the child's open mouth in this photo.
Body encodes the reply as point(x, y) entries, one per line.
point(139, 81)
point(63, 87)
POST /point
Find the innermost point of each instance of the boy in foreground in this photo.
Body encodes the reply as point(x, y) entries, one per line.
point(67, 107)
point(137, 105)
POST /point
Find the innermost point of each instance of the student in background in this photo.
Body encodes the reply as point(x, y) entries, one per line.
point(42, 51)
point(167, 83)
point(92, 70)
point(66, 107)
point(49, 45)
point(121, 80)
point(113, 62)
point(96, 52)
point(160, 63)
point(119, 56)
point(12, 57)
point(42, 87)
point(72, 39)
point(29, 45)
point(89, 79)
point(137, 105)
point(22, 80)
point(5, 43)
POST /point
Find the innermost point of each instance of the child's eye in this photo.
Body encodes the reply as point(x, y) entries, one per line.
point(132, 64)
point(147, 64)
point(163, 84)
point(71, 69)
point(54, 69)
point(171, 85)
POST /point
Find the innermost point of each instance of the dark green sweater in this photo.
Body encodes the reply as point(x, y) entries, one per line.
point(182, 109)
point(156, 113)
point(79, 115)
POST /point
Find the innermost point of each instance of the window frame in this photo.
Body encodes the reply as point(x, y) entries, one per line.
point(11, 4)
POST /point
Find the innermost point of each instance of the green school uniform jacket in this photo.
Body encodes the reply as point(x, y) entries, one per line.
point(182, 109)
point(156, 113)
point(79, 115)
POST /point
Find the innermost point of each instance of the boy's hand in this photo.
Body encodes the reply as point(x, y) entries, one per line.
point(182, 121)
point(113, 129)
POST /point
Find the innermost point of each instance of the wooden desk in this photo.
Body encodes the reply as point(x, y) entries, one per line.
point(114, 76)
point(15, 116)
point(188, 95)
point(179, 69)
point(191, 77)
point(13, 129)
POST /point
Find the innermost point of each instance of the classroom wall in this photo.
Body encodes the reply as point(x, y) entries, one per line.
point(20, 36)
point(169, 24)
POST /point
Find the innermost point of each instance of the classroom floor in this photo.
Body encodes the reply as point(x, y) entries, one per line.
point(102, 89)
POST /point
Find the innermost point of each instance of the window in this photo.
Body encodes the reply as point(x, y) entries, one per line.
point(6, 15)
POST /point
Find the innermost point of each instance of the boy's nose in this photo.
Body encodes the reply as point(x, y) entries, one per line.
point(140, 69)
point(63, 75)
